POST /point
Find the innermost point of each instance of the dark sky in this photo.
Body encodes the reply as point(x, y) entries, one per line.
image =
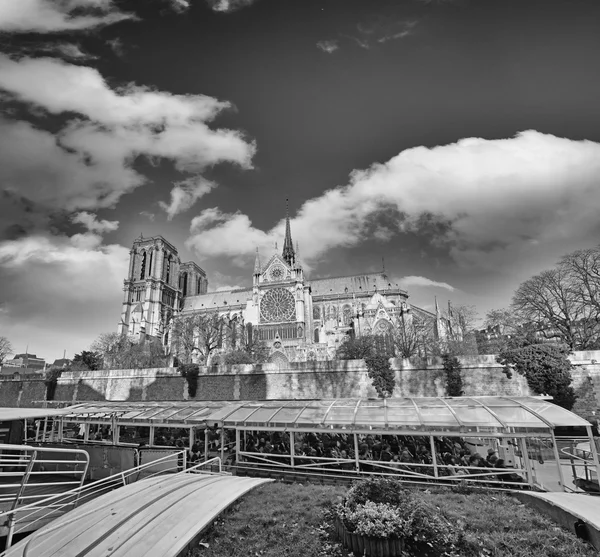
point(459, 140)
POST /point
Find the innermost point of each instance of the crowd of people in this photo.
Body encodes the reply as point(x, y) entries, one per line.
point(379, 453)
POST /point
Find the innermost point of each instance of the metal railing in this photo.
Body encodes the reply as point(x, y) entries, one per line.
point(583, 459)
point(34, 473)
point(51, 507)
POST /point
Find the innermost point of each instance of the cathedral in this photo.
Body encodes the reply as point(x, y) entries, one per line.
point(298, 318)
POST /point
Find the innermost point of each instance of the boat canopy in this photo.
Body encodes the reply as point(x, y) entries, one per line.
point(10, 414)
point(441, 414)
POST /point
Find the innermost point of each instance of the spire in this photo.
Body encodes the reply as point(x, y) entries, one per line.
point(257, 269)
point(288, 245)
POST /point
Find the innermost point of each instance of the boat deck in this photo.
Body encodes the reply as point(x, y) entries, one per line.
point(155, 517)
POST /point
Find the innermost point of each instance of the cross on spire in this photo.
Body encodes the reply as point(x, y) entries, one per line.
point(288, 245)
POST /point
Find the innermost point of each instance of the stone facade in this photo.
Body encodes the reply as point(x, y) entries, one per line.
point(299, 319)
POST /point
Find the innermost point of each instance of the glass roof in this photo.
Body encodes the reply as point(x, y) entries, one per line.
point(428, 413)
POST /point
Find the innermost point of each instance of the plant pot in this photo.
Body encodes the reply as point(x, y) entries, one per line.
point(367, 545)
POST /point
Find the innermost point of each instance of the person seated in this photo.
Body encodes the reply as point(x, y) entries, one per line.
point(507, 479)
point(386, 454)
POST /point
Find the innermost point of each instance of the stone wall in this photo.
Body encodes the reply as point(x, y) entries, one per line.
point(303, 380)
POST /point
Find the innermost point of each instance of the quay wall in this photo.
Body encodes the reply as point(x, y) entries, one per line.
point(482, 375)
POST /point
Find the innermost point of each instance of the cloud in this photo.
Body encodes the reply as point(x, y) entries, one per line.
point(185, 194)
point(88, 164)
point(227, 6)
point(92, 223)
point(116, 46)
point(67, 308)
point(424, 281)
point(490, 204)
point(150, 216)
point(328, 46)
point(381, 29)
point(52, 16)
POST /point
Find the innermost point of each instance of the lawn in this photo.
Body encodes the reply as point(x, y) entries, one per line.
point(280, 519)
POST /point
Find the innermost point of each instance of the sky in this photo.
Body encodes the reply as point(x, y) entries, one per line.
point(455, 142)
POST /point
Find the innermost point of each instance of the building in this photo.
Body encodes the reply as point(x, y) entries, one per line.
point(26, 360)
point(299, 319)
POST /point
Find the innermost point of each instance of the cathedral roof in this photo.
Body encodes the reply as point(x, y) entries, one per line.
point(353, 283)
point(221, 299)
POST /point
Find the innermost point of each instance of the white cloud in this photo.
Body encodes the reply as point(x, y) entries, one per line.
point(185, 194)
point(231, 234)
point(88, 164)
point(424, 281)
point(150, 216)
point(50, 16)
point(55, 290)
point(328, 46)
point(227, 6)
point(487, 201)
point(92, 223)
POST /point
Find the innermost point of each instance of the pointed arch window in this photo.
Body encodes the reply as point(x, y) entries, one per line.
point(143, 266)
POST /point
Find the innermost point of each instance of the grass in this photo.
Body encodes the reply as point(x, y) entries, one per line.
point(277, 520)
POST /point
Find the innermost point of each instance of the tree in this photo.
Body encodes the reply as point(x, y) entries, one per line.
point(381, 374)
point(5, 349)
point(197, 334)
point(123, 352)
point(586, 404)
point(454, 383)
point(51, 377)
point(413, 336)
point(357, 348)
point(87, 360)
point(546, 367)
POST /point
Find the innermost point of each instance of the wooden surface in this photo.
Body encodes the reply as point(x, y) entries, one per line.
point(155, 517)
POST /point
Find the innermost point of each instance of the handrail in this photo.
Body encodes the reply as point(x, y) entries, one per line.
point(59, 501)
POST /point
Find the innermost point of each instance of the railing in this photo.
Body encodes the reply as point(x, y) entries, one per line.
point(35, 473)
point(582, 458)
point(51, 507)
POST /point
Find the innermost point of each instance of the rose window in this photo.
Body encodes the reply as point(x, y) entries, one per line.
point(277, 273)
point(278, 305)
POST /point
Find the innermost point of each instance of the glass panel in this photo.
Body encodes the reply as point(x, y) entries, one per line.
point(517, 417)
point(286, 415)
point(370, 415)
point(73, 430)
point(340, 415)
point(135, 435)
point(171, 437)
point(100, 433)
point(261, 416)
point(555, 414)
point(312, 416)
point(399, 416)
point(239, 415)
point(439, 416)
point(221, 413)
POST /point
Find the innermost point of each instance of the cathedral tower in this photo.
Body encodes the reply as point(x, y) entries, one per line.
point(288, 246)
point(151, 289)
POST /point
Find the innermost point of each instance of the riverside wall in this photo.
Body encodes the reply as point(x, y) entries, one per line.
point(482, 375)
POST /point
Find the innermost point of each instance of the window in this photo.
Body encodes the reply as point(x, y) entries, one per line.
point(143, 267)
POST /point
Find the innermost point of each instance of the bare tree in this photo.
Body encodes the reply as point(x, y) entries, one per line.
point(5, 349)
point(413, 335)
point(582, 269)
point(504, 321)
point(197, 334)
point(122, 352)
point(550, 303)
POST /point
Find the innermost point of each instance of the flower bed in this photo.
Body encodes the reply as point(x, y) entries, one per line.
point(378, 518)
point(368, 545)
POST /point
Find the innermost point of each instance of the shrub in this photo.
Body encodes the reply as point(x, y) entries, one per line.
point(380, 507)
point(454, 383)
point(546, 368)
point(190, 373)
point(377, 490)
point(382, 374)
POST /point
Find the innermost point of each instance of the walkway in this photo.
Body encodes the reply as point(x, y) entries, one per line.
point(155, 517)
point(568, 508)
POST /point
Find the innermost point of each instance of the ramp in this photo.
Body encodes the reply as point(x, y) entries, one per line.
point(155, 517)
